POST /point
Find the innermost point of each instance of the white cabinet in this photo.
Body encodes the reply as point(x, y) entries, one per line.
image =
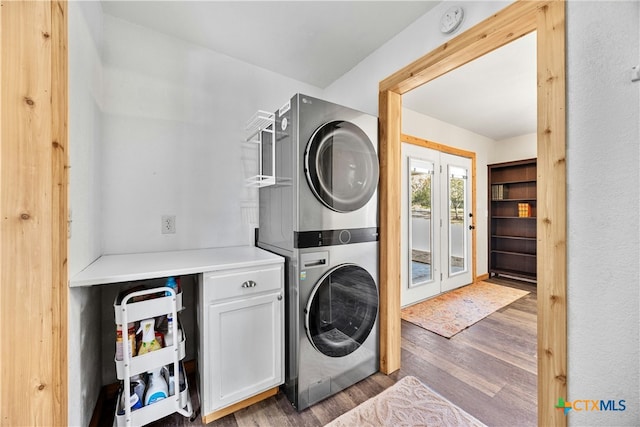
point(241, 329)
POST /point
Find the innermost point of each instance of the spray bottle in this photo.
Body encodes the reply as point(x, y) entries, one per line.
point(157, 388)
point(149, 342)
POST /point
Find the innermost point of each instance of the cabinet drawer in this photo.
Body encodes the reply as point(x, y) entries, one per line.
point(243, 282)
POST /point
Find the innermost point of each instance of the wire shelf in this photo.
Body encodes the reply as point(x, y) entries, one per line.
point(260, 121)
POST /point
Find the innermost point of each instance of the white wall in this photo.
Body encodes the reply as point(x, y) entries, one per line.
point(85, 128)
point(603, 115)
point(174, 122)
point(603, 164)
point(517, 148)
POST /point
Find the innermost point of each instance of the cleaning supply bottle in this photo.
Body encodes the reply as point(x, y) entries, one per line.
point(138, 386)
point(171, 283)
point(131, 336)
point(168, 336)
point(170, 379)
point(149, 342)
point(135, 399)
point(157, 388)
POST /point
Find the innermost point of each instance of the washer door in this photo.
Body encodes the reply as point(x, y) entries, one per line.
point(341, 166)
point(341, 310)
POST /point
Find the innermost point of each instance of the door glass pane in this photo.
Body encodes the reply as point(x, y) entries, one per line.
point(457, 219)
point(420, 224)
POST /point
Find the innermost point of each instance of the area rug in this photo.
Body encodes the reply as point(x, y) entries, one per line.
point(406, 403)
point(454, 311)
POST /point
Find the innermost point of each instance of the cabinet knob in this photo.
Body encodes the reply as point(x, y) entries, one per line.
point(279, 297)
point(249, 284)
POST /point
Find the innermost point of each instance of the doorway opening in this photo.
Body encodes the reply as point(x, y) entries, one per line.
point(547, 18)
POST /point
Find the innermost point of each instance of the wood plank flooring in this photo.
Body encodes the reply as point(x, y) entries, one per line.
point(489, 370)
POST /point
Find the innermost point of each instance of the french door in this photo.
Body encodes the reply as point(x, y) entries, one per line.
point(436, 201)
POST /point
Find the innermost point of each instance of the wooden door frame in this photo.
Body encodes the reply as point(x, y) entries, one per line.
point(33, 184)
point(547, 18)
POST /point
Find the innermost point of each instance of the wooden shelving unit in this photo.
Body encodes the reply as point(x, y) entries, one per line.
point(512, 219)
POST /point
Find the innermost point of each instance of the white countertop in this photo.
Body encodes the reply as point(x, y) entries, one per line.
point(149, 265)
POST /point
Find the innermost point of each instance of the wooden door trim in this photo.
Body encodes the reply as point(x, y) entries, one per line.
point(414, 140)
point(33, 182)
point(547, 18)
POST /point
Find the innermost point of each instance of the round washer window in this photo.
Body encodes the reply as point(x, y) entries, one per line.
point(341, 166)
point(342, 310)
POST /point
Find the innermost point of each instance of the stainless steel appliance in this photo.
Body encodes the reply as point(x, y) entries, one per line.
point(321, 215)
point(326, 172)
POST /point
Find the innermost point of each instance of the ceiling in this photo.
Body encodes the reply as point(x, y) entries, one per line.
point(494, 96)
point(316, 42)
point(312, 41)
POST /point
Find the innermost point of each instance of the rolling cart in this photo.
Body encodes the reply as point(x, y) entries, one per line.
point(146, 304)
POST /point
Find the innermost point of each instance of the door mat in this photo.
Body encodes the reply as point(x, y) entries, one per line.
point(451, 312)
point(406, 403)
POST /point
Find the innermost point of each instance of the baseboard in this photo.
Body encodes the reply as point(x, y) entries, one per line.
point(207, 418)
point(482, 277)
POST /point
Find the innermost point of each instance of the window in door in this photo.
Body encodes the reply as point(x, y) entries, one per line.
point(436, 218)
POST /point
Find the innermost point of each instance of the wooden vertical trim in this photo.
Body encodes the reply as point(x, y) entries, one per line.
point(59, 208)
point(33, 83)
point(514, 21)
point(552, 213)
point(473, 221)
point(390, 105)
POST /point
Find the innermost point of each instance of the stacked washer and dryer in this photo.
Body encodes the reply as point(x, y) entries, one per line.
point(322, 217)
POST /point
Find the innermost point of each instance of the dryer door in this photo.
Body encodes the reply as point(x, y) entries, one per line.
point(341, 166)
point(341, 310)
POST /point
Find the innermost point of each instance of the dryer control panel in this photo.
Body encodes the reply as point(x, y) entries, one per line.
point(315, 239)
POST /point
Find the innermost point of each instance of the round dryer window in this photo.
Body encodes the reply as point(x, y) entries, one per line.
point(342, 310)
point(341, 166)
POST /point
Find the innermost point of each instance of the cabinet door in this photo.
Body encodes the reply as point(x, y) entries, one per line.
point(246, 348)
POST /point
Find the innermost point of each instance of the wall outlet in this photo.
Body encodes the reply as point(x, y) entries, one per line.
point(168, 224)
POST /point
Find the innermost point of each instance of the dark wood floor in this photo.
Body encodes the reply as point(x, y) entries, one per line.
point(489, 370)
